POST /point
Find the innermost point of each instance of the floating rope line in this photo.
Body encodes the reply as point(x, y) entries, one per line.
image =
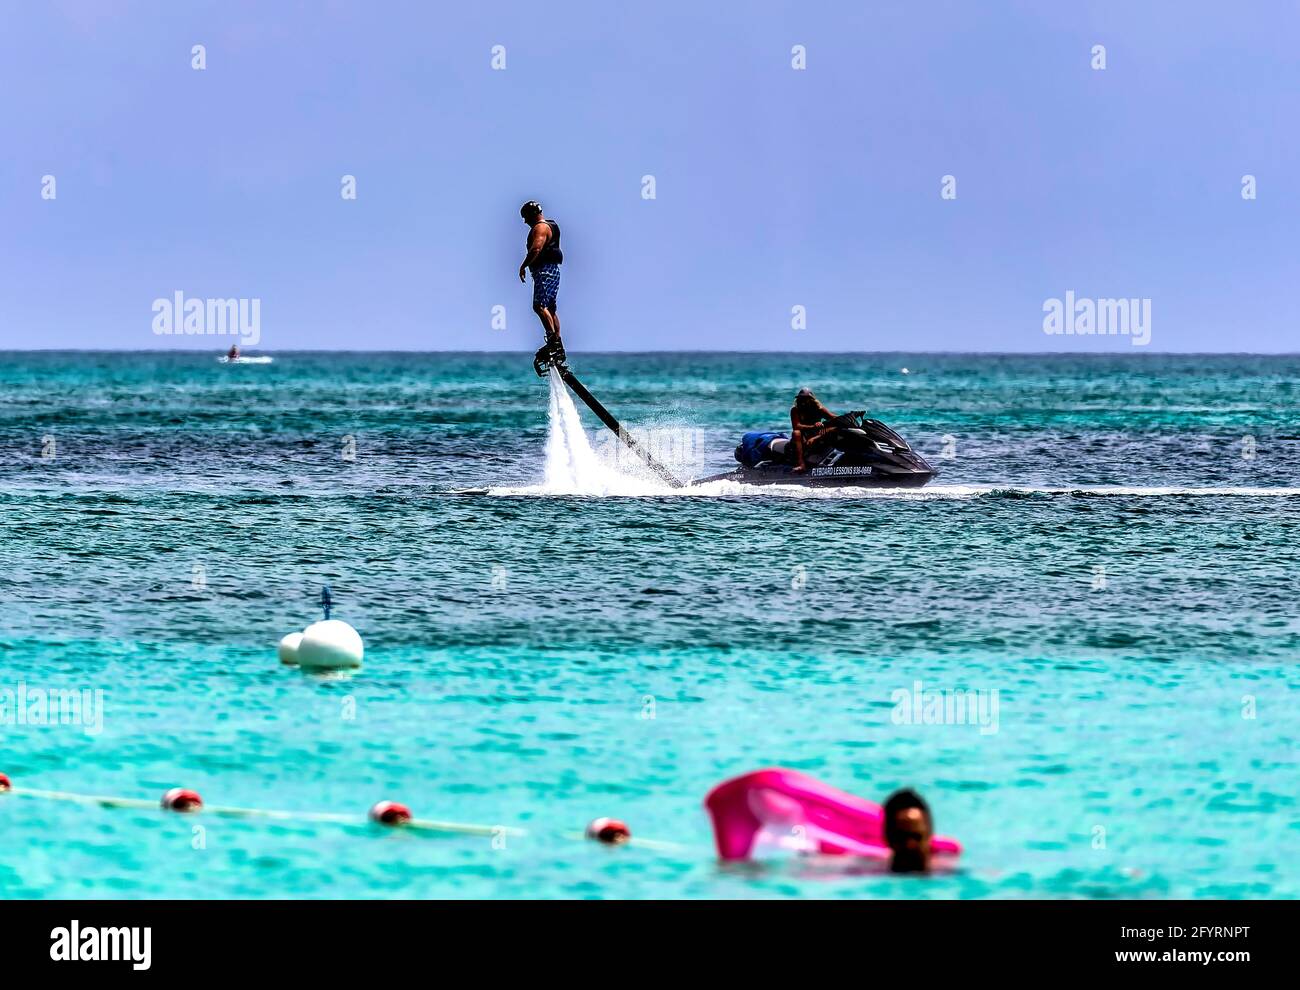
point(108, 801)
point(608, 831)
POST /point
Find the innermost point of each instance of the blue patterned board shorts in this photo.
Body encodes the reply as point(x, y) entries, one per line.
point(546, 283)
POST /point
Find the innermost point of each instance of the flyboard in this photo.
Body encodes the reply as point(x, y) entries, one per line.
point(547, 358)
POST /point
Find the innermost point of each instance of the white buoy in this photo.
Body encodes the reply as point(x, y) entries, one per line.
point(329, 645)
point(289, 649)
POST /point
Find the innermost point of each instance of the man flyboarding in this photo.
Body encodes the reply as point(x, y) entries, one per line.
point(543, 259)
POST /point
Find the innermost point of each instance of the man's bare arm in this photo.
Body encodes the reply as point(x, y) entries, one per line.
point(536, 241)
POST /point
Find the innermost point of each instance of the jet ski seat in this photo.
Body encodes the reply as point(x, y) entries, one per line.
point(761, 448)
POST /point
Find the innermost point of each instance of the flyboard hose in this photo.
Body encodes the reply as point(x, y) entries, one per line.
point(605, 416)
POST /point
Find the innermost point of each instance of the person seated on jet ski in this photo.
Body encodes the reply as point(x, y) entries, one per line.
point(809, 426)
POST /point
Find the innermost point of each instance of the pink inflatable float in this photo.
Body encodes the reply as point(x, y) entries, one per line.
point(790, 809)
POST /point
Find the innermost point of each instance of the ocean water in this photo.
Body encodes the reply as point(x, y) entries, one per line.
point(550, 636)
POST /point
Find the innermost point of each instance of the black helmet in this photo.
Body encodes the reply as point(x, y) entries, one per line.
point(530, 209)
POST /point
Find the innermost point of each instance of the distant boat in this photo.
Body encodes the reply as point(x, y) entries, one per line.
point(258, 359)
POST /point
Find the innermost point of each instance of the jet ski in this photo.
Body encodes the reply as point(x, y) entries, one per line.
point(860, 453)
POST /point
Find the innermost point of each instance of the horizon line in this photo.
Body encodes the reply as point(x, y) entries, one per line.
point(640, 353)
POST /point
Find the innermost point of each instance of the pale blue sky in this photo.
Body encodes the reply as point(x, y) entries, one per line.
point(775, 187)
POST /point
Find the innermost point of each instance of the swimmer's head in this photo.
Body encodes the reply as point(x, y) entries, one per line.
point(908, 830)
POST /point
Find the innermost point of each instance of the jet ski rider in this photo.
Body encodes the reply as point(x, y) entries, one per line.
point(809, 426)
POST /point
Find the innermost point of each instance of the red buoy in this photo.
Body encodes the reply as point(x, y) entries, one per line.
point(390, 813)
point(611, 831)
point(182, 799)
point(4, 783)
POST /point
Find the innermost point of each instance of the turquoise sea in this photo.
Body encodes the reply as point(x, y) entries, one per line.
point(1112, 547)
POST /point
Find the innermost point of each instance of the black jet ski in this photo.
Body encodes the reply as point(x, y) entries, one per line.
point(860, 453)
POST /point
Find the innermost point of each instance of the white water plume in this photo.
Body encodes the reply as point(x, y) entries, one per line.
point(572, 466)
